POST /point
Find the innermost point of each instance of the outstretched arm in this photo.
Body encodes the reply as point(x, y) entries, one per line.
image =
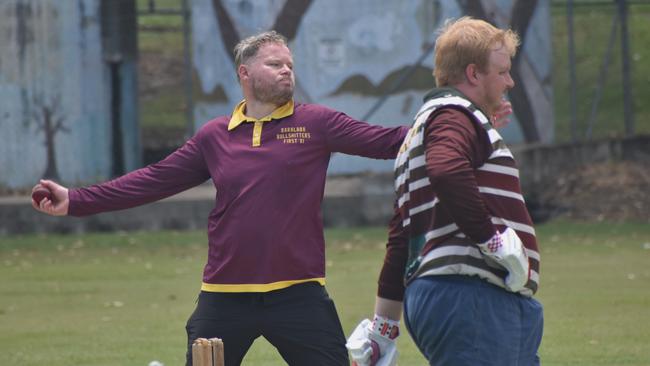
point(349, 136)
point(183, 169)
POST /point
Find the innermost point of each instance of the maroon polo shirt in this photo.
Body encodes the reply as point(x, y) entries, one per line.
point(265, 231)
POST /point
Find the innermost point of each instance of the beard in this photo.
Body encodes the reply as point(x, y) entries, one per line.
point(493, 100)
point(276, 94)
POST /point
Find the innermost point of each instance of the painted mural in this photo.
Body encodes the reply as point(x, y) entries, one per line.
point(368, 58)
point(350, 54)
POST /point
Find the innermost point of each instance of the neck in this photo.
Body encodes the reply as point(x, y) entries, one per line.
point(258, 109)
point(474, 96)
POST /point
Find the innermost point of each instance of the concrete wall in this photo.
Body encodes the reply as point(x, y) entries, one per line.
point(55, 95)
point(540, 164)
point(348, 54)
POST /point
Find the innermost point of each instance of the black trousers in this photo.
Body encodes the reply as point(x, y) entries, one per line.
point(300, 321)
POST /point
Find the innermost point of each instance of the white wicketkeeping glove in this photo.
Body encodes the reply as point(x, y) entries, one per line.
point(373, 343)
point(507, 250)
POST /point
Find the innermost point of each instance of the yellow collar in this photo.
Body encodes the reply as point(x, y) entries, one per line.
point(238, 116)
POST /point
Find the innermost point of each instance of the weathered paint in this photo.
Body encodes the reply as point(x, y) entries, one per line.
point(132, 147)
point(346, 54)
point(51, 64)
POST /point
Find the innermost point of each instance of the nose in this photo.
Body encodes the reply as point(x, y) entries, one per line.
point(286, 69)
point(510, 83)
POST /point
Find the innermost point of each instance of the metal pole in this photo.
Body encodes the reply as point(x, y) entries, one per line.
point(603, 76)
point(189, 101)
point(572, 74)
point(118, 165)
point(628, 108)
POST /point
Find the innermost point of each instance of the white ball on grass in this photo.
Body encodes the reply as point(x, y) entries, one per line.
point(156, 363)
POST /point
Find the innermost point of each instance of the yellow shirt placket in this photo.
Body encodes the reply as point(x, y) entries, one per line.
point(257, 132)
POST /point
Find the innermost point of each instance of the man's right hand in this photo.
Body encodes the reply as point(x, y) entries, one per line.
point(58, 205)
point(373, 343)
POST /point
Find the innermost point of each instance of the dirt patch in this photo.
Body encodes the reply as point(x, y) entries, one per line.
point(157, 71)
point(612, 191)
point(158, 74)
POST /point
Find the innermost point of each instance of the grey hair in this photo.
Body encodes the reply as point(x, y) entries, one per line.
point(248, 47)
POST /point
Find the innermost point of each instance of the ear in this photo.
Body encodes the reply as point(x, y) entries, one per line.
point(242, 71)
point(472, 74)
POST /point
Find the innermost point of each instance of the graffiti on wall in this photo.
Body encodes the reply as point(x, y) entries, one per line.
point(347, 55)
point(48, 116)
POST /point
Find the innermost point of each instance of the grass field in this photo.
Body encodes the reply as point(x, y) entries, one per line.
point(123, 299)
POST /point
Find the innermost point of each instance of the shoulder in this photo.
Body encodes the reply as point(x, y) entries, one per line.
point(317, 116)
point(456, 120)
point(308, 109)
point(211, 130)
point(212, 125)
point(454, 115)
point(221, 121)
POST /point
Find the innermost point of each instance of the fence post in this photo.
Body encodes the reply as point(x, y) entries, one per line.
point(572, 73)
point(627, 87)
point(187, 49)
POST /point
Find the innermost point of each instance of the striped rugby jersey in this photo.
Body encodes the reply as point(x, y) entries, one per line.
point(436, 244)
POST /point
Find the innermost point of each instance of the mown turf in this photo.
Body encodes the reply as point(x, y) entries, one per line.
point(123, 299)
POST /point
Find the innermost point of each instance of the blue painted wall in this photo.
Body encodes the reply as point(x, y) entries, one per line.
point(348, 53)
point(52, 70)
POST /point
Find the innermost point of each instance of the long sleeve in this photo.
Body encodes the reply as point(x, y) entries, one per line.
point(181, 170)
point(349, 136)
point(454, 147)
point(391, 284)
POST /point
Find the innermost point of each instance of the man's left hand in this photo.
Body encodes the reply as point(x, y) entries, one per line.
point(501, 116)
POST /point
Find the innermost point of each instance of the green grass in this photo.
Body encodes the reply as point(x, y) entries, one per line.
point(168, 41)
point(165, 111)
point(123, 299)
point(592, 27)
point(596, 293)
point(164, 42)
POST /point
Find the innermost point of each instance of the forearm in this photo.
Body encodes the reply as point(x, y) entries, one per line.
point(454, 148)
point(459, 193)
point(391, 277)
point(387, 308)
